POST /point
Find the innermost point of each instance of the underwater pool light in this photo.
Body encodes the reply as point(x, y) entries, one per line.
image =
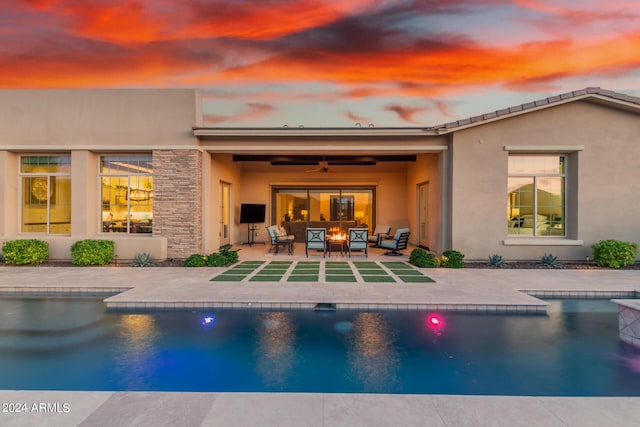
point(435, 321)
point(208, 320)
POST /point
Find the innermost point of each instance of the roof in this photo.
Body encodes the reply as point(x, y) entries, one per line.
point(590, 92)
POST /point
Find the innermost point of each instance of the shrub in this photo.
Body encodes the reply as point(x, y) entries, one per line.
point(421, 258)
point(614, 253)
point(217, 259)
point(497, 261)
point(25, 251)
point(143, 260)
point(195, 260)
point(92, 252)
point(454, 259)
point(230, 255)
point(549, 261)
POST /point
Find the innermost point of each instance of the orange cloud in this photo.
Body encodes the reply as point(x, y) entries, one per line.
point(254, 111)
point(405, 113)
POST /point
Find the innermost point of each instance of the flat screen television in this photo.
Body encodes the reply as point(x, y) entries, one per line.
point(252, 213)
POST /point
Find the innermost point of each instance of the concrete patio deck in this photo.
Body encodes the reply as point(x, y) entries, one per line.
point(465, 289)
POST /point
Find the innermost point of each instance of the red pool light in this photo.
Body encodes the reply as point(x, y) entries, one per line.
point(435, 321)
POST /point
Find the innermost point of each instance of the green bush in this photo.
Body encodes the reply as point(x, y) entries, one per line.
point(230, 255)
point(25, 251)
point(217, 259)
point(195, 260)
point(92, 252)
point(614, 253)
point(421, 258)
point(454, 259)
point(143, 260)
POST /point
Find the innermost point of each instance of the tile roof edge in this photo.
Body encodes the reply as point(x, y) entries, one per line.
point(538, 104)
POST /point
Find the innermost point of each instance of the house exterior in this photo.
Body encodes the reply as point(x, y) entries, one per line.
point(137, 166)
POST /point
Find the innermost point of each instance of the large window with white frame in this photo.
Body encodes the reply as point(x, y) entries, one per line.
point(536, 196)
point(46, 194)
point(126, 191)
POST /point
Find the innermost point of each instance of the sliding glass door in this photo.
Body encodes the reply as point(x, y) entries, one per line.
point(334, 208)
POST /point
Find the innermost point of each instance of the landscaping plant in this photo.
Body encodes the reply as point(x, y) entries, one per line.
point(549, 261)
point(497, 261)
point(614, 253)
point(25, 251)
point(92, 252)
point(195, 260)
point(454, 259)
point(421, 258)
point(143, 260)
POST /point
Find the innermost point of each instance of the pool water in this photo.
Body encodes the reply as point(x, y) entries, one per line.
point(75, 344)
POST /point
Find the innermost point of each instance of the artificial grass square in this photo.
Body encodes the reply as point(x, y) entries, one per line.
point(372, 272)
point(303, 278)
point(280, 263)
point(340, 278)
point(273, 270)
point(406, 272)
point(228, 278)
point(395, 264)
point(303, 263)
point(251, 263)
point(416, 279)
point(265, 278)
point(336, 271)
point(366, 264)
point(336, 263)
point(378, 279)
point(238, 270)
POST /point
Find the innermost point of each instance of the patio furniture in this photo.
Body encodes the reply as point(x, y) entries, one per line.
point(316, 238)
point(398, 243)
point(379, 233)
point(358, 240)
point(278, 238)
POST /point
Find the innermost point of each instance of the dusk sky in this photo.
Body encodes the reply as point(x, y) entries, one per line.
point(327, 62)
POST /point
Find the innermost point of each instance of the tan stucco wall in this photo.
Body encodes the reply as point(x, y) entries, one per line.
point(426, 170)
point(86, 124)
point(603, 180)
point(100, 119)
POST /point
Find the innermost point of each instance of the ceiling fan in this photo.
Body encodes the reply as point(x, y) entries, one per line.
point(322, 168)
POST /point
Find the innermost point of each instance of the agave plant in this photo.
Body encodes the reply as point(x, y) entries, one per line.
point(549, 261)
point(143, 260)
point(497, 261)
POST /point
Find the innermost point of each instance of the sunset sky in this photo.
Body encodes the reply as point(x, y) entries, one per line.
point(327, 62)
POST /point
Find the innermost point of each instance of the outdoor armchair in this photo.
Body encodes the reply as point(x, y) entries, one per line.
point(358, 240)
point(398, 243)
point(316, 238)
point(379, 233)
point(279, 239)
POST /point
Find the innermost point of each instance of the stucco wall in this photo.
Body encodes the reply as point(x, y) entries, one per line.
point(426, 170)
point(603, 180)
point(97, 118)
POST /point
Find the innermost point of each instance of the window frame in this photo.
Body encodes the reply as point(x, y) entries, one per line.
point(50, 179)
point(128, 196)
point(535, 176)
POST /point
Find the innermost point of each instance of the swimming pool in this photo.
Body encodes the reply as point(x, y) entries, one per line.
point(74, 344)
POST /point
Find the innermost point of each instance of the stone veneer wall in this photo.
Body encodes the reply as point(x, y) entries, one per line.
point(177, 204)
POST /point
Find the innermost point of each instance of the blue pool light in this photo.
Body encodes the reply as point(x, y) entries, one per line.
point(208, 321)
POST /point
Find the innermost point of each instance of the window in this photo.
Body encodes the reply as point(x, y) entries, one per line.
point(536, 195)
point(46, 194)
point(126, 193)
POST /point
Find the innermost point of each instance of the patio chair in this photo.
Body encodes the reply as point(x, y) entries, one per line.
point(379, 233)
point(316, 239)
point(277, 239)
point(358, 240)
point(398, 243)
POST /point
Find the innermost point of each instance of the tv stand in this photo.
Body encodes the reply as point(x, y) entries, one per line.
point(251, 228)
